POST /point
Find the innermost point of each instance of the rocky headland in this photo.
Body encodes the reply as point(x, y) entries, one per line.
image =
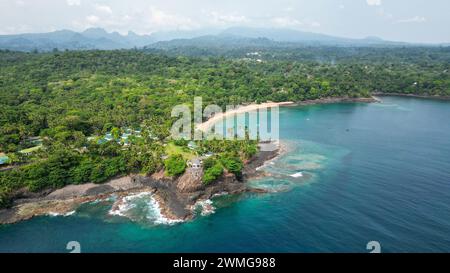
point(176, 196)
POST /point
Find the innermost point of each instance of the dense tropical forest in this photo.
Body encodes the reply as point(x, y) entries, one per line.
point(58, 108)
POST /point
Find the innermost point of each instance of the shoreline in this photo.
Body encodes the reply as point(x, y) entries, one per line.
point(63, 201)
point(204, 126)
point(174, 203)
point(332, 100)
point(381, 94)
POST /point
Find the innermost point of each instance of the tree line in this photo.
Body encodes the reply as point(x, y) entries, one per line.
point(66, 97)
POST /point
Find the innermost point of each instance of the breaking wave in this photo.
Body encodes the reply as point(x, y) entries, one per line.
point(141, 207)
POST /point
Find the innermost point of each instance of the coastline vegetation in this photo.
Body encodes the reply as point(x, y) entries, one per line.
point(67, 100)
point(175, 165)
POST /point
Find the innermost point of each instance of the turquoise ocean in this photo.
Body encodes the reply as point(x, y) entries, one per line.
point(352, 173)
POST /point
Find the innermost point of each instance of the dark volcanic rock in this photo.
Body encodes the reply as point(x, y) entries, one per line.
point(191, 181)
point(176, 196)
point(101, 189)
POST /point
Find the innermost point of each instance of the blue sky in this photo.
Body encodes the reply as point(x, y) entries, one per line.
point(400, 20)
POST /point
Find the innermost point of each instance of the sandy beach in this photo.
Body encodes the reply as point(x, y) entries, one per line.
point(244, 109)
point(171, 201)
point(205, 126)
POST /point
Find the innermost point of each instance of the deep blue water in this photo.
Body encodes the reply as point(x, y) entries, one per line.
point(370, 172)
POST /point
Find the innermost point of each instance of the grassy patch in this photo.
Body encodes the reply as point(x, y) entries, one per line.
point(172, 149)
point(31, 150)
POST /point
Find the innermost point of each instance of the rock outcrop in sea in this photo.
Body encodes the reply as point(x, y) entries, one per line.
point(174, 197)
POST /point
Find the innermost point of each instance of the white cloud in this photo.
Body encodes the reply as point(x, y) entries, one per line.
point(373, 2)
point(217, 18)
point(416, 19)
point(6, 30)
point(20, 3)
point(162, 20)
point(92, 19)
point(103, 8)
point(126, 17)
point(286, 22)
point(385, 14)
point(314, 24)
point(144, 21)
point(290, 22)
point(73, 2)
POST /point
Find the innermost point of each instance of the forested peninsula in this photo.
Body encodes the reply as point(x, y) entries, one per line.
point(78, 117)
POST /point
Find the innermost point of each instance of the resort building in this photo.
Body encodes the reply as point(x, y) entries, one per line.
point(123, 138)
point(4, 160)
point(208, 154)
point(195, 163)
point(192, 145)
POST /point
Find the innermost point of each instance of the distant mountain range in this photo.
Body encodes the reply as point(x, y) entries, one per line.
point(97, 38)
point(93, 38)
point(295, 36)
point(228, 41)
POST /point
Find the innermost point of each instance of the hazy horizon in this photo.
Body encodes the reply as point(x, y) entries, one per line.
point(415, 21)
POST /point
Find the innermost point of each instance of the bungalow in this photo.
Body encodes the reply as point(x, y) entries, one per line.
point(208, 154)
point(192, 145)
point(125, 136)
point(125, 142)
point(195, 163)
point(4, 160)
point(102, 141)
point(123, 139)
point(35, 140)
point(108, 137)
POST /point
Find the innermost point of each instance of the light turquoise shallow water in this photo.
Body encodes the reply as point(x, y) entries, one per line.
point(370, 172)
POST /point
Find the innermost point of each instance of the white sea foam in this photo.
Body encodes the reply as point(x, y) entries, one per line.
point(56, 214)
point(220, 194)
point(266, 164)
point(126, 204)
point(53, 214)
point(70, 213)
point(297, 175)
point(156, 216)
point(121, 209)
point(152, 209)
point(206, 207)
